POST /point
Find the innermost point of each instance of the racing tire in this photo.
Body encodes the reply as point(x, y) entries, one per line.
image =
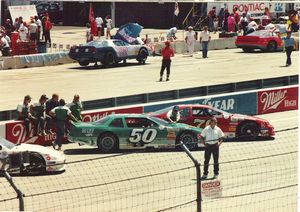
point(84, 63)
point(272, 46)
point(36, 165)
point(107, 143)
point(188, 139)
point(248, 130)
point(142, 56)
point(109, 59)
point(247, 50)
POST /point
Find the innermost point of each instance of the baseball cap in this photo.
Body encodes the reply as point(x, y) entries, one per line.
point(44, 97)
point(27, 97)
point(176, 108)
point(167, 43)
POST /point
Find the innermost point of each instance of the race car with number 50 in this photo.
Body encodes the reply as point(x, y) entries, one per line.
point(233, 125)
point(108, 52)
point(134, 131)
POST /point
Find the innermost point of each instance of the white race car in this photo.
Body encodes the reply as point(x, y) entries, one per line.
point(36, 159)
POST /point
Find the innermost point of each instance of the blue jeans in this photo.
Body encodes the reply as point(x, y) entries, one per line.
point(204, 49)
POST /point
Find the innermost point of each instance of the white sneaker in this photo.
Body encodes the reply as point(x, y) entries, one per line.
point(216, 176)
point(204, 177)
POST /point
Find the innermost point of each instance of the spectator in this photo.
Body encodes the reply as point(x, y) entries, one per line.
point(205, 39)
point(167, 52)
point(50, 104)
point(60, 113)
point(225, 21)
point(265, 20)
point(216, 25)
point(99, 22)
point(108, 26)
point(89, 35)
point(39, 27)
point(173, 115)
point(289, 43)
point(248, 14)
point(33, 30)
point(212, 137)
point(190, 38)
point(76, 107)
point(244, 23)
point(252, 26)
point(24, 113)
point(23, 31)
point(231, 23)
point(8, 27)
point(171, 35)
point(211, 16)
point(16, 24)
point(236, 18)
point(294, 21)
point(38, 111)
point(43, 27)
point(48, 27)
point(4, 46)
point(221, 14)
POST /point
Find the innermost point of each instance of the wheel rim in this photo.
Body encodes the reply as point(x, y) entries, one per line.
point(272, 46)
point(188, 141)
point(249, 131)
point(143, 56)
point(108, 143)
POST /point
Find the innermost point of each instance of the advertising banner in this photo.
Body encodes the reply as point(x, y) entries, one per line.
point(277, 100)
point(240, 103)
point(26, 11)
point(15, 130)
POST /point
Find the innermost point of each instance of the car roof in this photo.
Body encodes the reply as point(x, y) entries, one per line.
point(130, 115)
point(194, 105)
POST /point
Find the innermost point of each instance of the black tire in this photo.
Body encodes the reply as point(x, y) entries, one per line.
point(84, 63)
point(142, 56)
point(109, 59)
point(188, 139)
point(248, 49)
point(36, 166)
point(248, 130)
point(272, 46)
point(108, 142)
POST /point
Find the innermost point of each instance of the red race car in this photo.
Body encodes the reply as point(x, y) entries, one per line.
point(265, 40)
point(233, 125)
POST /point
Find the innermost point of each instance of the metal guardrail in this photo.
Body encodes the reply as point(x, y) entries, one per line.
point(178, 94)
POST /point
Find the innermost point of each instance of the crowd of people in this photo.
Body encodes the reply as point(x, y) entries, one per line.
point(48, 114)
point(34, 30)
point(107, 24)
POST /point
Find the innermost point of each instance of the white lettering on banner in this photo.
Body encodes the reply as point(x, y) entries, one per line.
point(126, 36)
point(95, 117)
point(19, 132)
point(290, 103)
point(225, 104)
point(273, 99)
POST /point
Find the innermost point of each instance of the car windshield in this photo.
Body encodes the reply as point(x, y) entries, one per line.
point(7, 143)
point(98, 44)
point(101, 121)
point(165, 110)
point(261, 33)
point(160, 121)
point(221, 111)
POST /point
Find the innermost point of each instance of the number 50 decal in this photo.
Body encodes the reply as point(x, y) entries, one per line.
point(137, 135)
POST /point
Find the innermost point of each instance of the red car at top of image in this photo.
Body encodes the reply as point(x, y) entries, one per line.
point(233, 125)
point(265, 40)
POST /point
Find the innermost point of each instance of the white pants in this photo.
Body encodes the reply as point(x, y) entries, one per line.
point(190, 46)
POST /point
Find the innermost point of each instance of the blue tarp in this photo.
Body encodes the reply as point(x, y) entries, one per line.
point(129, 32)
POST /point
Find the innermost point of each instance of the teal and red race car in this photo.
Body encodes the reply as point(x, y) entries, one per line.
point(134, 131)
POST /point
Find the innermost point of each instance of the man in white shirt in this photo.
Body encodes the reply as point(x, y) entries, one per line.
point(173, 115)
point(23, 32)
point(4, 46)
point(205, 39)
point(171, 35)
point(252, 26)
point(212, 139)
point(33, 30)
point(190, 38)
point(99, 22)
point(108, 26)
point(39, 27)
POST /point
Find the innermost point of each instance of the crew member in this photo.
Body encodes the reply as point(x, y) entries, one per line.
point(289, 43)
point(205, 39)
point(76, 107)
point(190, 38)
point(24, 113)
point(167, 52)
point(38, 110)
point(212, 137)
point(50, 104)
point(173, 115)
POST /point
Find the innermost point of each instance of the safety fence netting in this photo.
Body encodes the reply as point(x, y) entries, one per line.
point(254, 176)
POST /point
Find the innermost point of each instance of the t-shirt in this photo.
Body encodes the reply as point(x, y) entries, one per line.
point(175, 117)
point(167, 53)
point(4, 43)
point(23, 32)
point(61, 112)
point(76, 109)
point(24, 109)
point(109, 23)
point(33, 28)
point(38, 109)
point(204, 36)
point(99, 21)
point(172, 32)
point(212, 136)
point(190, 35)
point(253, 25)
point(288, 42)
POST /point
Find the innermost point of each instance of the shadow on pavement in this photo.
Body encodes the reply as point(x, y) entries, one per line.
point(102, 67)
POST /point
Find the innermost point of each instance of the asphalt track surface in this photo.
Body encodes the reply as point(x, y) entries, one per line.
point(255, 176)
point(222, 66)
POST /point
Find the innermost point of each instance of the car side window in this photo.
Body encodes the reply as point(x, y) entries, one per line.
point(118, 43)
point(185, 112)
point(200, 112)
point(125, 44)
point(139, 123)
point(117, 123)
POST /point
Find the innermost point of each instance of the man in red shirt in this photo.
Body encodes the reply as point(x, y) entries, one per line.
point(167, 52)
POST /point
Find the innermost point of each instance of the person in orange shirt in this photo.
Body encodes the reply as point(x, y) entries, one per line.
point(167, 52)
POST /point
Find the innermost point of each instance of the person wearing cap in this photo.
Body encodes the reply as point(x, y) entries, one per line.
point(76, 107)
point(212, 137)
point(205, 39)
point(173, 115)
point(167, 52)
point(24, 113)
point(61, 114)
point(289, 43)
point(190, 38)
point(50, 104)
point(38, 111)
point(171, 35)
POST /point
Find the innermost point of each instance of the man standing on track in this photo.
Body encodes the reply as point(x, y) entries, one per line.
point(212, 139)
point(205, 39)
point(167, 52)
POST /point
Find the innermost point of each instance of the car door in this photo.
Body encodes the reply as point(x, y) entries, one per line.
point(121, 50)
point(185, 116)
point(200, 116)
point(132, 50)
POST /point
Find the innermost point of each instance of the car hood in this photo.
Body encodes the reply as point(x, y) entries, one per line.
point(240, 117)
point(183, 126)
point(37, 148)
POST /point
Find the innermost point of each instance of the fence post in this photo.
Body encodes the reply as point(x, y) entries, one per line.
point(20, 195)
point(198, 174)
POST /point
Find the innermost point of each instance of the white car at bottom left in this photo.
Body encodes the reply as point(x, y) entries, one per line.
point(36, 159)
